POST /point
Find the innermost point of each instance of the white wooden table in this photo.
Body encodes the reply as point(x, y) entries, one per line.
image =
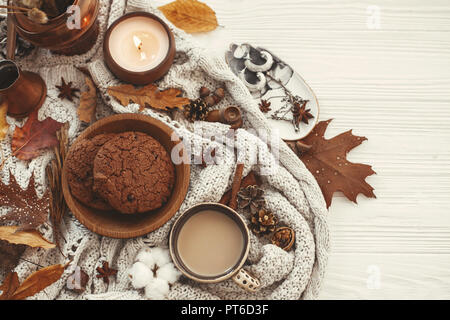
point(382, 68)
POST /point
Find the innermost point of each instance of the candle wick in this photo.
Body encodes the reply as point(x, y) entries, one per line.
point(138, 43)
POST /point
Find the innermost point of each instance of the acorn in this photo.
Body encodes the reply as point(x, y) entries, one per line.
point(204, 92)
point(209, 100)
point(218, 95)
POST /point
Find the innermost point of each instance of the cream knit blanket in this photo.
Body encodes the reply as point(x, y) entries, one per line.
point(291, 191)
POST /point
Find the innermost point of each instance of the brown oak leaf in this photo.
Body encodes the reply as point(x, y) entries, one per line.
point(190, 15)
point(26, 208)
point(4, 125)
point(10, 255)
point(88, 102)
point(149, 95)
point(30, 238)
point(32, 285)
point(35, 135)
point(326, 159)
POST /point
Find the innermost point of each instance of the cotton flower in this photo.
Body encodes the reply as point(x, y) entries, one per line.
point(146, 256)
point(157, 289)
point(154, 271)
point(169, 273)
point(140, 275)
point(161, 256)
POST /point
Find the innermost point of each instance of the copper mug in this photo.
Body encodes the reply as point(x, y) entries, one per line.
point(23, 91)
point(242, 277)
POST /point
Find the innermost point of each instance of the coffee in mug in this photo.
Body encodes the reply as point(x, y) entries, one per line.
point(210, 243)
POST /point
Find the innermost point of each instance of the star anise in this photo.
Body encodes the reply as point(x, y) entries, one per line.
point(67, 91)
point(105, 272)
point(264, 106)
point(301, 114)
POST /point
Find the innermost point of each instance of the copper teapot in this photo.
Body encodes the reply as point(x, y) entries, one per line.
point(23, 91)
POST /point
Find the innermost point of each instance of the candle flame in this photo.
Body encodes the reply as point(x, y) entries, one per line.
point(137, 43)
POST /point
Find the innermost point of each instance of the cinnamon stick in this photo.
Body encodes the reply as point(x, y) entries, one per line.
point(252, 179)
point(236, 186)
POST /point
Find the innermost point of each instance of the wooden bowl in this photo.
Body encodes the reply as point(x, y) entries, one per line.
point(122, 226)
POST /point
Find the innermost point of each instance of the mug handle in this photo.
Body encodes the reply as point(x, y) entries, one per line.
point(246, 281)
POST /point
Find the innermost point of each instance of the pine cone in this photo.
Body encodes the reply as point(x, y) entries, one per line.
point(251, 198)
point(196, 110)
point(263, 222)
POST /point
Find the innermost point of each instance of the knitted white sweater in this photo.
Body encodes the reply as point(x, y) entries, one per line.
point(291, 191)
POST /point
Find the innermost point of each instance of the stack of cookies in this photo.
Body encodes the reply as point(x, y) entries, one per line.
point(128, 172)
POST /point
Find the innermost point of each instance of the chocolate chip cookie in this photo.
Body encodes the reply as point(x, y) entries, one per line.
point(134, 173)
point(80, 163)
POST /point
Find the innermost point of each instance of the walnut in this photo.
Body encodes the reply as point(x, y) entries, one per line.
point(284, 238)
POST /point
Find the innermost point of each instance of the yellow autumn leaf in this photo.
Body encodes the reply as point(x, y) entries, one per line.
point(30, 238)
point(4, 126)
point(190, 15)
point(149, 96)
point(38, 281)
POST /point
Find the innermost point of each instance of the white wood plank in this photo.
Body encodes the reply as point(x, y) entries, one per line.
point(391, 85)
point(403, 276)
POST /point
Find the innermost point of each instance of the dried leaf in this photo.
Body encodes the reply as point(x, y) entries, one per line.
point(190, 15)
point(88, 103)
point(9, 286)
point(328, 163)
point(30, 238)
point(149, 95)
point(10, 255)
point(38, 281)
point(58, 206)
point(26, 208)
point(35, 135)
point(4, 126)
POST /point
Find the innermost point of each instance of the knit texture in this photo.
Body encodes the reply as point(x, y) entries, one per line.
point(291, 191)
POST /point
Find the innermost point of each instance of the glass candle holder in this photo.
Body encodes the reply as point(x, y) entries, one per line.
point(58, 34)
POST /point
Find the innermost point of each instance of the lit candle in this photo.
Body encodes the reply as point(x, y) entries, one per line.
point(139, 48)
